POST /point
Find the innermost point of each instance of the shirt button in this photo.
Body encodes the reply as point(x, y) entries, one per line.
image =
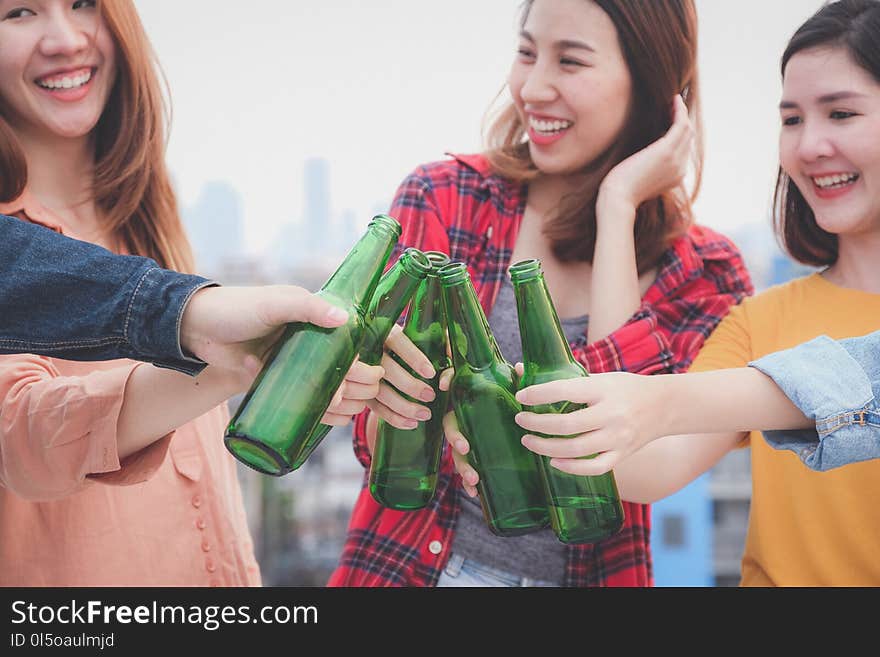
point(436, 547)
point(209, 565)
point(201, 524)
point(206, 547)
point(197, 501)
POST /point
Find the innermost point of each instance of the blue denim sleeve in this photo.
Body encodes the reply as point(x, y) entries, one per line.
point(70, 299)
point(836, 384)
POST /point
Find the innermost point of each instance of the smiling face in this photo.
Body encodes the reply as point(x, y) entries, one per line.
point(830, 138)
point(570, 84)
point(57, 66)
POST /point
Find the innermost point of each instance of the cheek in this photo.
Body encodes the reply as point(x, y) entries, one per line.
point(866, 155)
point(515, 82)
point(787, 154)
point(106, 46)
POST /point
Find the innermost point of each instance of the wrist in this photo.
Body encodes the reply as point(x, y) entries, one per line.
point(664, 397)
point(224, 383)
point(191, 334)
point(614, 207)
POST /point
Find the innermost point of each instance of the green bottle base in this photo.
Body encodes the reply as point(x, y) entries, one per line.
point(519, 523)
point(403, 491)
point(256, 455)
point(578, 520)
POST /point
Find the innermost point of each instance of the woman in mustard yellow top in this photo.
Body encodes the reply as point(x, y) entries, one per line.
point(805, 527)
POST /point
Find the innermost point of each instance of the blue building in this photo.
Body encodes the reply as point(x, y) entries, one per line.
point(681, 537)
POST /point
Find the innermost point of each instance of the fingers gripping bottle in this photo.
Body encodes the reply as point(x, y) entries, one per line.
point(483, 397)
point(582, 509)
point(403, 472)
point(394, 291)
point(308, 363)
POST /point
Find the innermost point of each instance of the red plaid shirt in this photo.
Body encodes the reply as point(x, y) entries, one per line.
point(461, 208)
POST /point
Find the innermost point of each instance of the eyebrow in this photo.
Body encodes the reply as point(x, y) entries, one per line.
point(562, 44)
point(826, 99)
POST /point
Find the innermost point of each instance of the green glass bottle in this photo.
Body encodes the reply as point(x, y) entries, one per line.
point(483, 393)
point(582, 509)
point(403, 472)
point(308, 363)
point(394, 291)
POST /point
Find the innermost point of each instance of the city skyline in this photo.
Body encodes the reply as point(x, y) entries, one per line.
point(379, 88)
point(317, 237)
point(311, 243)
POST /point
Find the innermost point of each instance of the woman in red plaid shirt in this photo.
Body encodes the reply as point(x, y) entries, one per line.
point(585, 170)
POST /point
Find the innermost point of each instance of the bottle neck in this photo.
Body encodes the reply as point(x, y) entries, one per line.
point(471, 340)
point(394, 291)
point(356, 279)
point(426, 323)
point(543, 342)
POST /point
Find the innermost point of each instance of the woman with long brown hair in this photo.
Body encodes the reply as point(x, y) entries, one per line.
point(111, 473)
point(585, 169)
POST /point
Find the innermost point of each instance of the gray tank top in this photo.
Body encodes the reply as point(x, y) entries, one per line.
point(538, 555)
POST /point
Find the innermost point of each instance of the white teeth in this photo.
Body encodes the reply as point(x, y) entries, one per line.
point(837, 180)
point(67, 82)
point(549, 127)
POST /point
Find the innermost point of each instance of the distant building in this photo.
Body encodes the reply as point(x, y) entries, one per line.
point(215, 225)
point(316, 213)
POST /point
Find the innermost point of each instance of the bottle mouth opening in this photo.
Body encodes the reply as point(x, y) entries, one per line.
point(416, 262)
point(438, 260)
point(453, 273)
point(389, 223)
point(525, 270)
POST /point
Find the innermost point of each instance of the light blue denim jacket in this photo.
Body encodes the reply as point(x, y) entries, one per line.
point(70, 299)
point(837, 384)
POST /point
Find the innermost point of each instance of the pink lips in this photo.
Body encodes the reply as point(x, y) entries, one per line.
point(545, 140)
point(73, 94)
point(829, 193)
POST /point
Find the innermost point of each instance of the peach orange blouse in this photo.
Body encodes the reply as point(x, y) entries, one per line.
point(72, 514)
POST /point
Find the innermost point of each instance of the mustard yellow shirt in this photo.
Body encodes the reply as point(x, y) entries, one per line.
point(806, 528)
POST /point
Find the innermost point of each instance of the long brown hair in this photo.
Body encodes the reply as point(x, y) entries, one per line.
point(659, 43)
point(855, 26)
point(131, 188)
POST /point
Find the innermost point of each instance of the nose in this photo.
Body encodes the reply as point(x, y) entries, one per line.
point(539, 85)
point(63, 37)
point(814, 142)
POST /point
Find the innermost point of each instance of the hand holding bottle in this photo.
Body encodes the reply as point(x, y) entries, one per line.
point(233, 327)
point(389, 404)
point(361, 384)
point(624, 413)
point(459, 446)
point(397, 380)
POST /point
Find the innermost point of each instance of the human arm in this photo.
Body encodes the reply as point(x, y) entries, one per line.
point(112, 306)
point(660, 167)
point(59, 430)
point(667, 464)
point(817, 399)
point(835, 383)
point(127, 307)
point(625, 412)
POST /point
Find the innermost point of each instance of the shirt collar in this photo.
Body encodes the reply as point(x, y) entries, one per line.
point(27, 207)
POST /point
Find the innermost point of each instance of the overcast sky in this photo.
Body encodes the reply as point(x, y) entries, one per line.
point(380, 87)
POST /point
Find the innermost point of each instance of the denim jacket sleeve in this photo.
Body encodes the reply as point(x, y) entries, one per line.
point(70, 299)
point(835, 383)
